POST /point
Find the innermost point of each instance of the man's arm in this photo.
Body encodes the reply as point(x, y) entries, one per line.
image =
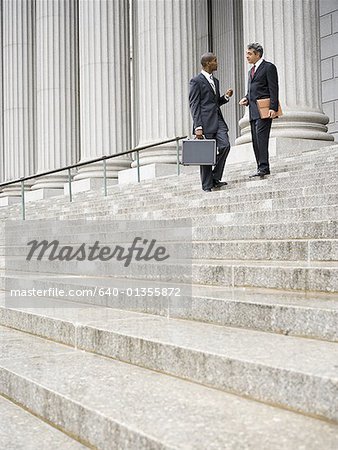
point(272, 78)
point(225, 97)
point(244, 101)
point(195, 103)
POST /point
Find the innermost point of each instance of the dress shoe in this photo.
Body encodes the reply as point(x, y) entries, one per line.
point(218, 184)
point(253, 175)
point(207, 190)
point(259, 174)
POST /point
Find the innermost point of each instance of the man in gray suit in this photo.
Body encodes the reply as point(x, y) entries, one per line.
point(262, 83)
point(205, 101)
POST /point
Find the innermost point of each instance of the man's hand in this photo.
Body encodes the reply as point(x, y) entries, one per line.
point(199, 134)
point(229, 92)
point(243, 102)
point(272, 113)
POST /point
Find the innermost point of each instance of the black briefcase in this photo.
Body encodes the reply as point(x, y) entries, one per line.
point(199, 152)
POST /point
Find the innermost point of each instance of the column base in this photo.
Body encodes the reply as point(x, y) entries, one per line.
point(310, 125)
point(42, 194)
point(14, 190)
point(95, 170)
point(87, 184)
point(279, 147)
point(162, 154)
point(50, 182)
point(7, 201)
point(151, 171)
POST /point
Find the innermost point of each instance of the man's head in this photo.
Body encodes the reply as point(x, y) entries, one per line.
point(254, 52)
point(209, 62)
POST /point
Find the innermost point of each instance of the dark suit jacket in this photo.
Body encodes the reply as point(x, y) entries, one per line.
point(263, 85)
point(205, 104)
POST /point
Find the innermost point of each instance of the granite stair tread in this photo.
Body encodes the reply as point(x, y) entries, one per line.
point(133, 407)
point(290, 371)
point(20, 430)
point(302, 230)
point(297, 314)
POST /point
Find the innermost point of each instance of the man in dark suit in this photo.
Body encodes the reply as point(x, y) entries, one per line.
point(205, 101)
point(262, 83)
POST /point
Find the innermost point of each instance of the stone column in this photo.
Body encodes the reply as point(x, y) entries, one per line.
point(289, 33)
point(227, 40)
point(57, 124)
point(104, 85)
point(18, 92)
point(166, 51)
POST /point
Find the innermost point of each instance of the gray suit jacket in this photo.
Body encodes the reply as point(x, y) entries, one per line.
point(205, 104)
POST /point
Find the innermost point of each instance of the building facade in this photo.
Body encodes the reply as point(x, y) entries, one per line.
point(85, 78)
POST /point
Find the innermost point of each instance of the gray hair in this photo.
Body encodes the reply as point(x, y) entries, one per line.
point(256, 47)
point(207, 57)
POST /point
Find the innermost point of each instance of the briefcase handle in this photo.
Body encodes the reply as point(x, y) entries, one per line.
point(195, 138)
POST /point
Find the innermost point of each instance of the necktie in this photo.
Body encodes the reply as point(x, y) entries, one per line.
point(253, 68)
point(212, 83)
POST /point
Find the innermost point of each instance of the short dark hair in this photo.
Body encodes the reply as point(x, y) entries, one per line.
point(256, 47)
point(207, 57)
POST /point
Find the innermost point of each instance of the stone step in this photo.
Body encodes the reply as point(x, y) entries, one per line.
point(296, 373)
point(170, 412)
point(20, 430)
point(310, 173)
point(286, 250)
point(295, 196)
point(219, 197)
point(243, 250)
point(263, 209)
point(194, 189)
point(230, 195)
point(294, 275)
point(290, 275)
point(201, 217)
point(215, 207)
point(73, 209)
point(180, 210)
point(302, 230)
point(120, 231)
point(311, 315)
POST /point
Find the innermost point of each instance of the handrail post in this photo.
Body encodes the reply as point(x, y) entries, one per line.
point(23, 199)
point(138, 166)
point(105, 177)
point(178, 156)
point(70, 185)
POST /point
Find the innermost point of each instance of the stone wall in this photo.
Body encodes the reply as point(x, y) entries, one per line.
point(329, 61)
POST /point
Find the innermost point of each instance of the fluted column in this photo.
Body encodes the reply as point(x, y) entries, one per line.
point(18, 90)
point(289, 33)
point(104, 84)
point(166, 62)
point(57, 124)
point(228, 46)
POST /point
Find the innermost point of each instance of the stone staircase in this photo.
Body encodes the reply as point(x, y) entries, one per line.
point(245, 357)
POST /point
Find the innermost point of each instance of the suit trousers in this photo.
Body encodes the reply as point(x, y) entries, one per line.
point(260, 132)
point(209, 175)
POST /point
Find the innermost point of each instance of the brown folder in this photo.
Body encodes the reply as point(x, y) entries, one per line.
point(264, 106)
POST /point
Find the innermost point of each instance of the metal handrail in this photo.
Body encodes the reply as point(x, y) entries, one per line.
point(92, 161)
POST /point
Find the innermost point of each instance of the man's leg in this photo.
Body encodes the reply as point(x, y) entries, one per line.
point(206, 171)
point(263, 127)
point(223, 145)
point(206, 177)
point(253, 127)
